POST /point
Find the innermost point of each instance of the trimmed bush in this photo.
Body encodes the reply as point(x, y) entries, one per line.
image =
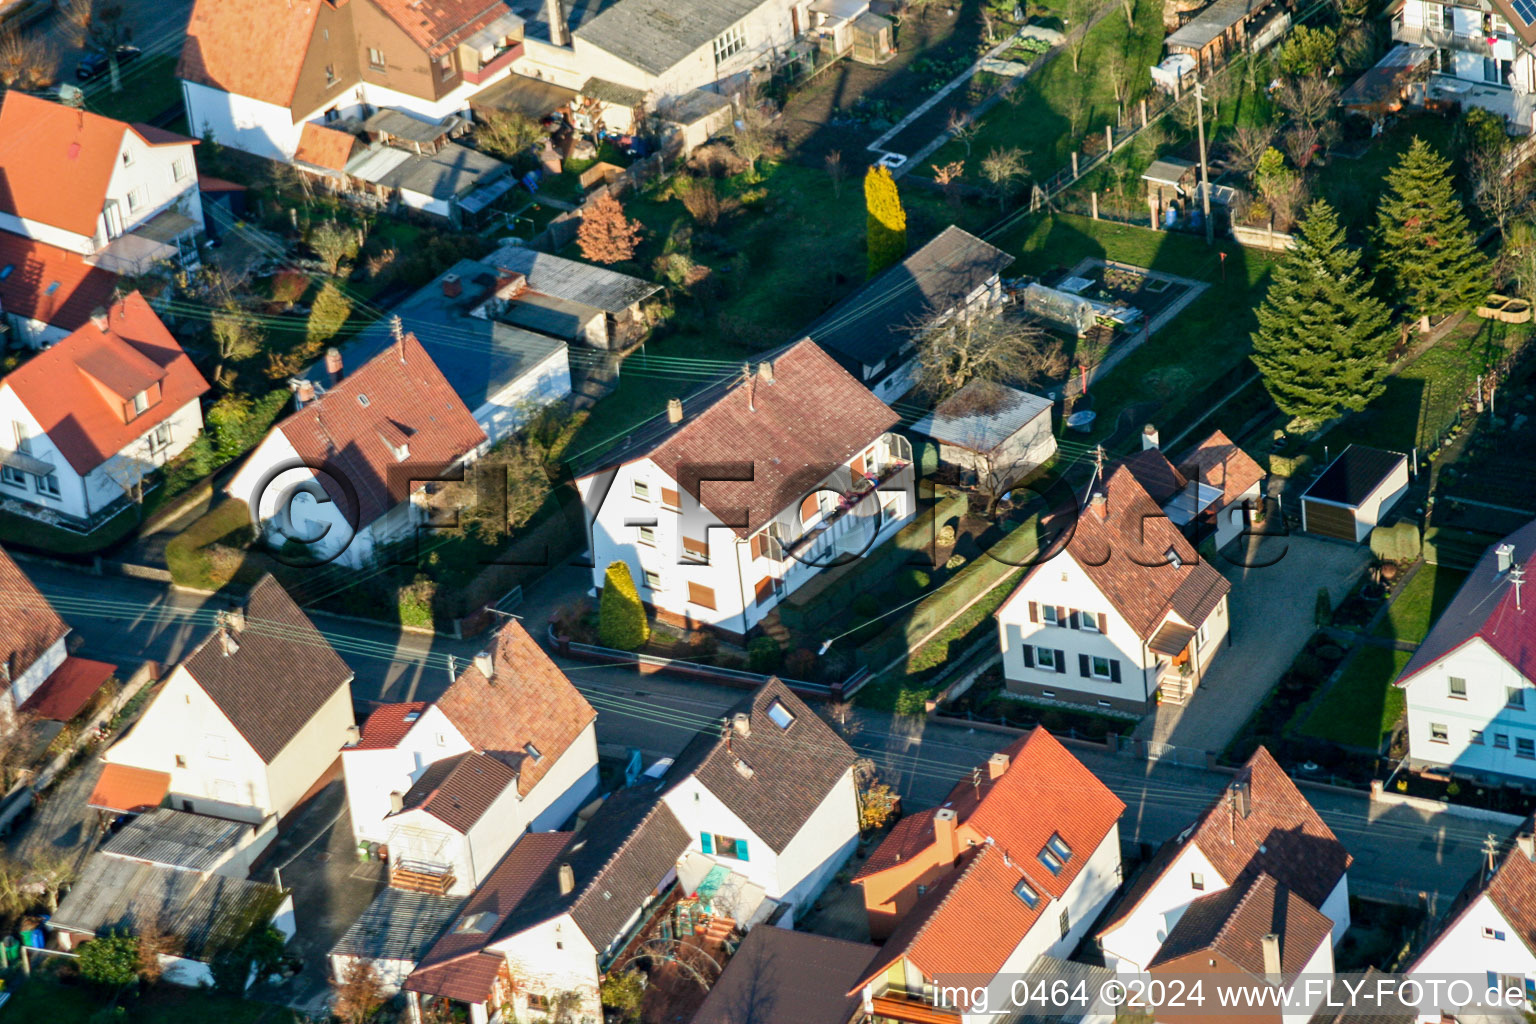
point(1398, 543)
point(913, 582)
point(620, 615)
point(764, 655)
point(1322, 608)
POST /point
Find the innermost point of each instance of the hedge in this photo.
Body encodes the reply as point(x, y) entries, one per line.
point(1399, 543)
point(912, 544)
point(988, 570)
point(1458, 549)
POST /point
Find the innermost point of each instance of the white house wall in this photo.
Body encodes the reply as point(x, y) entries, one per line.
point(504, 413)
point(1336, 908)
point(566, 787)
point(183, 721)
point(1392, 489)
point(1464, 949)
point(250, 125)
point(1488, 678)
point(104, 484)
point(71, 500)
point(311, 752)
point(1132, 944)
point(48, 234)
point(372, 775)
point(553, 956)
point(34, 333)
point(147, 175)
point(699, 811)
point(34, 675)
point(822, 845)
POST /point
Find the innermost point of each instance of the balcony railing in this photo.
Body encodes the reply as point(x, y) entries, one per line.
point(421, 876)
point(1445, 39)
point(897, 1005)
point(862, 501)
point(494, 65)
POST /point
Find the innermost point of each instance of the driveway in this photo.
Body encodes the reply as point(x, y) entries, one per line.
point(1271, 608)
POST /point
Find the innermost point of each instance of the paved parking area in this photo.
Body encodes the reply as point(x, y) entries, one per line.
point(1271, 606)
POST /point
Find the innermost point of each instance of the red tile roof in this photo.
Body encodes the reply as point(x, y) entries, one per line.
point(437, 26)
point(793, 432)
point(908, 838)
point(129, 790)
point(388, 724)
point(66, 691)
point(52, 285)
point(1125, 555)
point(527, 701)
point(254, 48)
point(46, 144)
point(1232, 923)
point(1281, 835)
point(356, 430)
point(28, 623)
point(455, 966)
point(62, 387)
point(458, 790)
point(1513, 892)
point(1218, 462)
point(324, 147)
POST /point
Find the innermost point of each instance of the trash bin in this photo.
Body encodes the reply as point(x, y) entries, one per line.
point(362, 851)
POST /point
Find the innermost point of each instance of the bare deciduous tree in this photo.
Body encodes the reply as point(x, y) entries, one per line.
point(106, 30)
point(836, 171)
point(1498, 193)
point(334, 243)
point(236, 337)
point(1300, 143)
point(1077, 15)
point(77, 16)
point(1309, 99)
point(947, 177)
point(26, 62)
point(1246, 144)
point(507, 134)
point(700, 200)
point(1004, 170)
point(962, 128)
point(1117, 70)
point(359, 992)
point(154, 942)
point(995, 347)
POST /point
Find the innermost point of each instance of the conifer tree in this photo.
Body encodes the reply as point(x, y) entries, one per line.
point(620, 615)
point(1426, 245)
point(1323, 340)
point(605, 234)
point(887, 224)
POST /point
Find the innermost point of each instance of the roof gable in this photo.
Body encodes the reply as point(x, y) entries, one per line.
point(354, 430)
point(1512, 891)
point(1220, 463)
point(1232, 924)
point(77, 390)
point(772, 778)
point(254, 48)
point(271, 674)
point(526, 714)
point(51, 285)
point(28, 623)
point(655, 35)
point(47, 144)
point(1485, 607)
point(458, 790)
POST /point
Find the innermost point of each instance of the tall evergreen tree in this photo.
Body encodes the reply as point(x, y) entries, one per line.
point(1426, 244)
point(1323, 340)
point(620, 615)
point(887, 224)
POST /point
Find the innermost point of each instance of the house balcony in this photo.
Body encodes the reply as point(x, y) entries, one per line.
point(895, 1005)
point(496, 64)
point(1502, 47)
point(852, 526)
point(421, 876)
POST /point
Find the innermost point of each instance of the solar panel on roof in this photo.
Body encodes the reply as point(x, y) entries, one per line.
point(1526, 9)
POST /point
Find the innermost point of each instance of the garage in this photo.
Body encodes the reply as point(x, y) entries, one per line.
point(1354, 493)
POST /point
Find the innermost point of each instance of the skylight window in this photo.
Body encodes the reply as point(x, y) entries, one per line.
point(1055, 854)
point(53, 287)
point(533, 752)
point(411, 716)
point(1173, 558)
point(477, 923)
point(362, 400)
point(779, 715)
point(1026, 892)
point(7, 271)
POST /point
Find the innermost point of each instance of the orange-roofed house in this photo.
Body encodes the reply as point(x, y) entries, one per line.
point(1261, 825)
point(342, 475)
point(123, 194)
point(88, 421)
point(255, 72)
point(47, 292)
point(1025, 853)
point(509, 747)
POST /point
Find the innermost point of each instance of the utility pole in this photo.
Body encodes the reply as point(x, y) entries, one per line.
point(1205, 171)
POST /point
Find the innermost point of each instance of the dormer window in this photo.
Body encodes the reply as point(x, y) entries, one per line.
point(1027, 893)
point(140, 403)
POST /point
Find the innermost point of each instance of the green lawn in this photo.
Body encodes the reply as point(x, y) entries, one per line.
point(149, 89)
point(209, 552)
point(1420, 603)
point(1038, 117)
point(1352, 187)
point(1363, 705)
point(1203, 342)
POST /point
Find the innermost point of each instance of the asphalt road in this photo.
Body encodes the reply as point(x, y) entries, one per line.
point(1396, 848)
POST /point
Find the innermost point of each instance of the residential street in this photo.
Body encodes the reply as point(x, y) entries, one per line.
point(1395, 848)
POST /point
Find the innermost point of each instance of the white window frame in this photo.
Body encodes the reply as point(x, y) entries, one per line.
point(128, 157)
point(1434, 17)
point(1439, 733)
point(136, 199)
point(376, 59)
point(1093, 668)
point(141, 403)
point(729, 43)
point(13, 477)
point(1451, 687)
point(647, 535)
point(1088, 621)
point(178, 168)
point(46, 489)
point(1045, 658)
point(160, 437)
point(640, 490)
point(652, 579)
point(1048, 615)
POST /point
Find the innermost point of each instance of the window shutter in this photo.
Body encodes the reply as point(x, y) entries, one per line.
point(1072, 619)
point(857, 465)
point(670, 498)
point(1061, 615)
point(1061, 663)
point(704, 597)
point(764, 590)
point(1029, 656)
point(741, 849)
point(1082, 666)
point(707, 842)
point(699, 548)
point(1103, 623)
point(1034, 612)
point(1114, 670)
point(757, 546)
point(809, 507)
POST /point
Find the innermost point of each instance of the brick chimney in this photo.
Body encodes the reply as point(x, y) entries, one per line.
point(396, 802)
point(559, 31)
point(765, 372)
point(333, 365)
point(452, 286)
point(1099, 506)
point(486, 663)
point(303, 393)
point(99, 318)
point(944, 832)
point(567, 879)
point(997, 764)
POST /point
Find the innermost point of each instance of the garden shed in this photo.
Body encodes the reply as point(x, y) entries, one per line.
point(992, 430)
point(1169, 180)
point(1354, 493)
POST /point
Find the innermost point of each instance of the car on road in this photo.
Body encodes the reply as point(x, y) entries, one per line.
point(94, 65)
